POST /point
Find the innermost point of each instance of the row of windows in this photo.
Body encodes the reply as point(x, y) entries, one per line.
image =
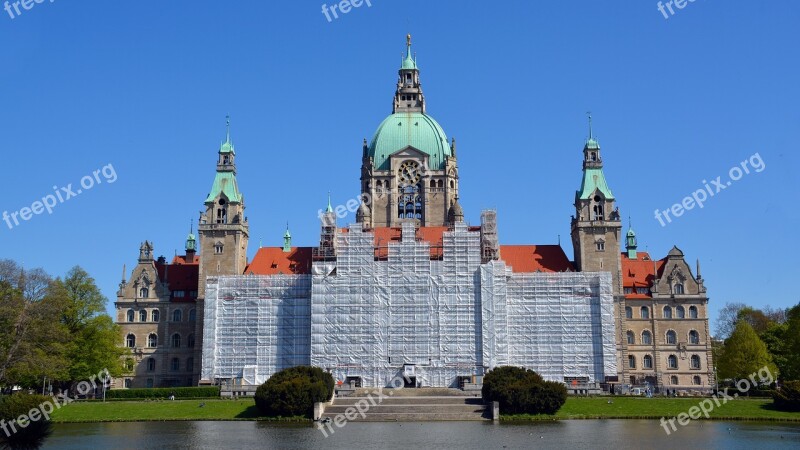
point(672, 362)
point(671, 337)
point(174, 364)
point(434, 184)
point(680, 312)
point(155, 315)
point(152, 341)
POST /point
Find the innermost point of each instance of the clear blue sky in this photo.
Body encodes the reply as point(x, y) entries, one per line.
point(145, 86)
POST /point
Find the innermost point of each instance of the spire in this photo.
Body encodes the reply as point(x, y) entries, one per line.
point(409, 62)
point(228, 128)
point(191, 242)
point(591, 143)
point(590, 124)
point(287, 240)
point(630, 241)
point(409, 97)
point(699, 277)
point(329, 209)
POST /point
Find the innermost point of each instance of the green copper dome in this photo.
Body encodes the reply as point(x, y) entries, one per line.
point(404, 129)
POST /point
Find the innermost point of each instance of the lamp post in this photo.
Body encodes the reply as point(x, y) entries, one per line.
point(716, 380)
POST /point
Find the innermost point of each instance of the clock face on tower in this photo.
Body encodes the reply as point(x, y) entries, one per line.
point(409, 173)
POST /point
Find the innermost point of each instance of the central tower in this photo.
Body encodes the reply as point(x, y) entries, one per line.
point(409, 171)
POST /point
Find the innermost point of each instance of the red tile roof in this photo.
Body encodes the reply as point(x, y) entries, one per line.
point(640, 273)
point(181, 259)
point(180, 277)
point(535, 258)
point(273, 261)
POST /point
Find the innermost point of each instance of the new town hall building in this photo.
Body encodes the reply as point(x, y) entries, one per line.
point(413, 289)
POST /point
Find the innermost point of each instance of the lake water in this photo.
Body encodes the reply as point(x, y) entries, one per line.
point(563, 435)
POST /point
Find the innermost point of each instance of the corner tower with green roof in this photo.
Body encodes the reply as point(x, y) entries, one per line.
point(409, 169)
point(596, 227)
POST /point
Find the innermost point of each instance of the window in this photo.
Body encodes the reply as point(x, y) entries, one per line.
point(175, 364)
point(179, 294)
point(130, 341)
point(693, 312)
point(218, 248)
point(189, 364)
point(130, 315)
point(667, 312)
point(694, 337)
point(696, 380)
point(142, 316)
point(176, 340)
point(177, 315)
point(144, 293)
point(680, 313)
point(128, 383)
point(628, 290)
point(645, 312)
point(631, 339)
point(672, 362)
point(628, 312)
point(192, 315)
point(631, 362)
point(149, 382)
point(642, 290)
point(647, 338)
point(695, 362)
point(673, 380)
point(647, 362)
point(156, 315)
point(672, 337)
point(190, 341)
point(152, 340)
point(679, 288)
point(151, 364)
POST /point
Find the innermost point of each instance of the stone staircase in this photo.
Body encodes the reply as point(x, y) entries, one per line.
point(417, 408)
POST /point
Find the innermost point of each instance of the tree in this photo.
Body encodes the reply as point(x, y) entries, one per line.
point(522, 391)
point(728, 316)
point(743, 354)
point(791, 345)
point(293, 392)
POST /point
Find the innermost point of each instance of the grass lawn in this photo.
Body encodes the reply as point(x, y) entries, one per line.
point(125, 411)
point(655, 408)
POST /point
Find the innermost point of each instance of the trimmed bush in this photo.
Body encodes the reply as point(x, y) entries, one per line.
point(787, 398)
point(293, 392)
point(31, 436)
point(179, 392)
point(522, 391)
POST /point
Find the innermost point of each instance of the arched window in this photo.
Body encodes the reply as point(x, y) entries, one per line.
point(673, 380)
point(452, 184)
point(433, 184)
point(628, 312)
point(647, 362)
point(142, 316)
point(680, 313)
point(151, 364)
point(631, 362)
point(177, 315)
point(190, 341)
point(647, 338)
point(598, 212)
point(130, 341)
point(667, 312)
point(176, 340)
point(679, 288)
point(693, 312)
point(672, 337)
point(192, 315)
point(672, 362)
point(695, 361)
point(131, 315)
point(152, 340)
point(696, 380)
point(128, 383)
point(175, 364)
point(156, 315)
point(645, 312)
point(631, 339)
point(694, 337)
point(144, 293)
point(189, 364)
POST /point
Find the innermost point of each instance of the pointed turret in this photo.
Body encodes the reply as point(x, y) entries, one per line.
point(287, 240)
point(630, 242)
point(456, 213)
point(409, 97)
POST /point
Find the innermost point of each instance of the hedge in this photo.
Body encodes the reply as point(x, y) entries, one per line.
point(293, 392)
point(34, 434)
point(522, 391)
point(178, 392)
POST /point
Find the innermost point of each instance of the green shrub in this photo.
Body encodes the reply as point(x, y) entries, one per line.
point(31, 436)
point(787, 398)
point(293, 392)
point(179, 392)
point(523, 391)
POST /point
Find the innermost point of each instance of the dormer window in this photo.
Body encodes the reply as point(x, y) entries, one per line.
point(144, 293)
